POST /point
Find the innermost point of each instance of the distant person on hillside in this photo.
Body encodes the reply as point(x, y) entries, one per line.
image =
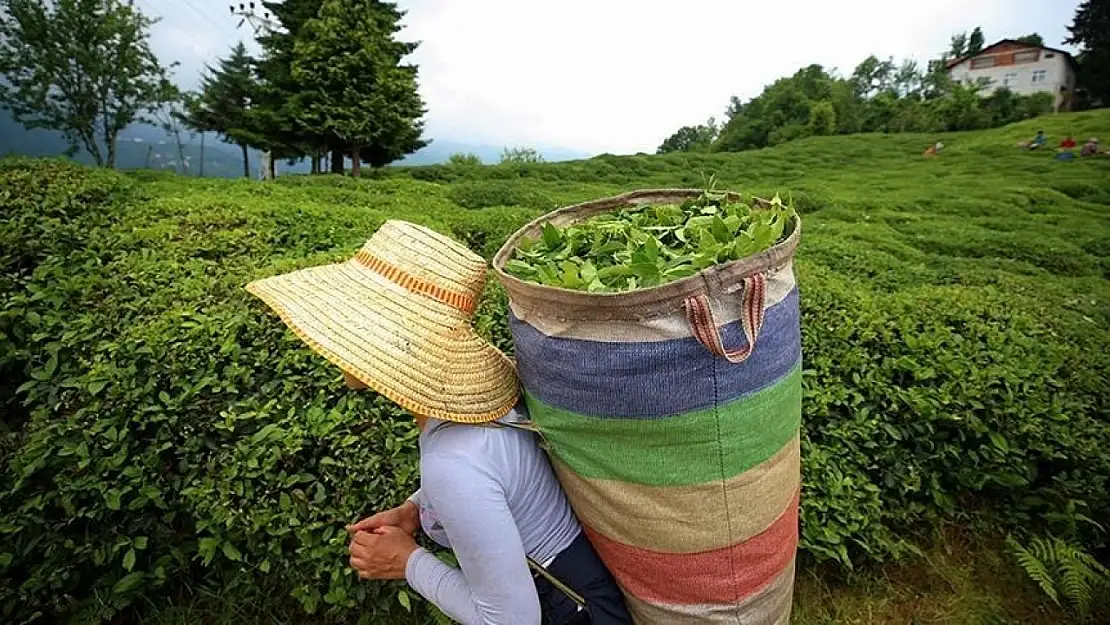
point(397, 317)
point(1066, 151)
point(1037, 141)
point(1090, 148)
point(934, 149)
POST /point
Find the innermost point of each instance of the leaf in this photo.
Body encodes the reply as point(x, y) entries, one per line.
point(51, 366)
point(129, 559)
point(127, 583)
point(651, 249)
point(720, 230)
point(140, 542)
point(552, 237)
point(112, 499)
point(96, 386)
point(570, 277)
point(206, 548)
point(404, 600)
point(231, 552)
point(1000, 441)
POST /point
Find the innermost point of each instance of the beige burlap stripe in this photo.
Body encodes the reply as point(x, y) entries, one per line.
point(770, 606)
point(686, 519)
point(779, 283)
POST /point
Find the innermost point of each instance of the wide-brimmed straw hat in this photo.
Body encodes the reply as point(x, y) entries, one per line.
point(397, 317)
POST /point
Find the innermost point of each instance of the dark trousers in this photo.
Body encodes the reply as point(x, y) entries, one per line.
point(579, 568)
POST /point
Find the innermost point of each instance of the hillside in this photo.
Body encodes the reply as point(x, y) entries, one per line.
point(221, 160)
point(165, 433)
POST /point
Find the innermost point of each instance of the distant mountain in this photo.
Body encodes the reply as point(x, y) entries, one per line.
point(142, 146)
point(440, 149)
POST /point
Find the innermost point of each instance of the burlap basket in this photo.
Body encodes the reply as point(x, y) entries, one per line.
point(672, 417)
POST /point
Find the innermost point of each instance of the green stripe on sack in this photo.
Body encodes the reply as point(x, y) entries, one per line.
point(691, 448)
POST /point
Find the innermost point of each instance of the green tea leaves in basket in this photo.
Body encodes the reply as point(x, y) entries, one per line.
point(645, 246)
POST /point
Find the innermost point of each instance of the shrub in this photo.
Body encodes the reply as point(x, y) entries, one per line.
point(168, 432)
point(521, 155)
point(498, 193)
point(458, 159)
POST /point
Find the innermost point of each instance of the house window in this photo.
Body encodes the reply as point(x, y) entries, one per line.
point(1009, 80)
point(1039, 76)
point(982, 61)
point(1029, 56)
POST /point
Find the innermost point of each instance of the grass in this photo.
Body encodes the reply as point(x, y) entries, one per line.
point(961, 580)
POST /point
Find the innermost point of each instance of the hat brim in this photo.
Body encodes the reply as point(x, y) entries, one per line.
point(416, 351)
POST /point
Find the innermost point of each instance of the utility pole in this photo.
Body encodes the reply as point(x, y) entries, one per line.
point(261, 23)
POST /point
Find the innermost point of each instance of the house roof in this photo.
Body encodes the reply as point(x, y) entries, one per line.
point(954, 62)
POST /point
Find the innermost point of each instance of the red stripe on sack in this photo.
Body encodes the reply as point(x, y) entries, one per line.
point(461, 301)
point(719, 576)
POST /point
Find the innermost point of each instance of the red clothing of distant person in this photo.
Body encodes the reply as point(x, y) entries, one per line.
point(1067, 143)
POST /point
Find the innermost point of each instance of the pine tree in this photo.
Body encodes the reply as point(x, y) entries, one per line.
point(275, 113)
point(1091, 29)
point(976, 41)
point(354, 86)
point(224, 102)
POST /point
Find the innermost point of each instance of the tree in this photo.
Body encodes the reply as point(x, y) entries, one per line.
point(975, 41)
point(1091, 29)
point(274, 114)
point(81, 67)
point(1033, 39)
point(224, 102)
point(957, 47)
point(822, 119)
point(521, 155)
point(354, 87)
point(691, 138)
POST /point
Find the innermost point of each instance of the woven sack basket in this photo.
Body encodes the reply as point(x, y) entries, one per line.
point(672, 415)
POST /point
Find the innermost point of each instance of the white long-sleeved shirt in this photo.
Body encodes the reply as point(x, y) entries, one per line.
point(489, 494)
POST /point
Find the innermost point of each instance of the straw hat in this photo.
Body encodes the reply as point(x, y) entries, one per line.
point(397, 317)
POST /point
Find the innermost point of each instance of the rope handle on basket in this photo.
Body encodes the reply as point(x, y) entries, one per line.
point(700, 316)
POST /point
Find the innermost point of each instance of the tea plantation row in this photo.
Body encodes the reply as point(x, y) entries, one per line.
point(160, 430)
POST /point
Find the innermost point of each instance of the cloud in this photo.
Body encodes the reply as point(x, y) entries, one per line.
point(621, 75)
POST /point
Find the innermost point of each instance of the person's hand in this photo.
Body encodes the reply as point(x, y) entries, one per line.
point(383, 553)
point(405, 516)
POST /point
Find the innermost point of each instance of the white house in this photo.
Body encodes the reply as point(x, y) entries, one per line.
point(1022, 68)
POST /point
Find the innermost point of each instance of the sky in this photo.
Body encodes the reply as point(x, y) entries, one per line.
point(619, 76)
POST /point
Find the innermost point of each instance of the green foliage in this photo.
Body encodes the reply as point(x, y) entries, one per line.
point(521, 155)
point(458, 159)
point(82, 67)
point(161, 431)
point(647, 246)
point(1032, 39)
point(1090, 29)
point(354, 86)
point(879, 96)
point(976, 40)
point(691, 138)
point(223, 103)
point(1066, 573)
point(498, 193)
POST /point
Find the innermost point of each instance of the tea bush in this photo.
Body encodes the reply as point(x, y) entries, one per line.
point(162, 430)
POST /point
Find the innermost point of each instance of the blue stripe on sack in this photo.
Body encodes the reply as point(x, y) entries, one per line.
point(654, 379)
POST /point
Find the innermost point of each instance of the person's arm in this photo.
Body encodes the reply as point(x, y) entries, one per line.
point(493, 585)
